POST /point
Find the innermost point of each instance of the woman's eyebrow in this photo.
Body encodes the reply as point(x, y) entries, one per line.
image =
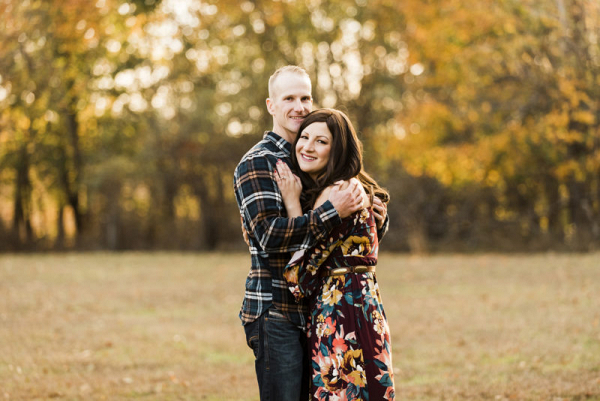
point(315, 135)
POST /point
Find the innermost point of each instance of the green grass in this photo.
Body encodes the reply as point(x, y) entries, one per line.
point(164, 326)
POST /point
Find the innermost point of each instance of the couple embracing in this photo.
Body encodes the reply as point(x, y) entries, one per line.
point(312, 310)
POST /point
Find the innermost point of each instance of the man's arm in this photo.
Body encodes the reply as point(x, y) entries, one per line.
point(384, 228)
point(261, 206)
point(383, 221)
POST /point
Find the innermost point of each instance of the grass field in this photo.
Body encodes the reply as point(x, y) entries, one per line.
point(164, 326)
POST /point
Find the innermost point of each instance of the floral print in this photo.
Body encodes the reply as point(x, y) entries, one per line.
point(349, 338)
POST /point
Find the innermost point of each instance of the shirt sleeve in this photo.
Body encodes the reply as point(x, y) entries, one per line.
point(262, 209)
point(384, 228)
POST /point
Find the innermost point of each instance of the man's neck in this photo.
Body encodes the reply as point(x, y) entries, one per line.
point(288, 136)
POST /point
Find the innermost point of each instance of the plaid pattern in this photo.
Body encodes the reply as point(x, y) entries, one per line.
point(271, 234)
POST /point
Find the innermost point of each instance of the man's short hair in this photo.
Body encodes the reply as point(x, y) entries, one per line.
point(294, 69)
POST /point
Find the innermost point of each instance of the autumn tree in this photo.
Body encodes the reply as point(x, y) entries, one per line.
point(122, 122)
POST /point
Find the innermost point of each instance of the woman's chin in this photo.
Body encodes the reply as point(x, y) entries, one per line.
point(306, 169)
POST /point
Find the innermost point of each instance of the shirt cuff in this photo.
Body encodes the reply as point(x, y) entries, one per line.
point(328, 215)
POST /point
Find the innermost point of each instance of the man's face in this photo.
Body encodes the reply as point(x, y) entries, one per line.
point(291, 101)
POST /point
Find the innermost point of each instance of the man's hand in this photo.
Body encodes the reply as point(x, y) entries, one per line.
point(380, 211)
point(348, 200)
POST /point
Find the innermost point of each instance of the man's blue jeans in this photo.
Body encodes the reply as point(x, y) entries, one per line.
point(281, 359)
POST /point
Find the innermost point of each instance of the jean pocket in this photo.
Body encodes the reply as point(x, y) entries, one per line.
point(253, 344)
point(252, 336)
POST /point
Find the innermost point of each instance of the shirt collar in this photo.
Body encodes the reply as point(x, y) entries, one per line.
point(278, 141)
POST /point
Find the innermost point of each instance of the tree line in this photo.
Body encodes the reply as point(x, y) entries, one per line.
point(121, 122)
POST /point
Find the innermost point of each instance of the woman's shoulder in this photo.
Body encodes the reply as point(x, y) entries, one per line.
point(323, 196)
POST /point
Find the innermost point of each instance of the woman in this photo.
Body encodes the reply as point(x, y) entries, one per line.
point(349, 338)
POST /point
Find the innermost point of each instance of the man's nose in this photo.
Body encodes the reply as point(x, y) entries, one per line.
point(298, 105)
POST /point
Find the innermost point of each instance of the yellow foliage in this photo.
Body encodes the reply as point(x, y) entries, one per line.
point(23, 122)
point(585, 117)
point(493, 178)
point(593, 162)
point(558, 118)
point(570, 136)
point(570, 168)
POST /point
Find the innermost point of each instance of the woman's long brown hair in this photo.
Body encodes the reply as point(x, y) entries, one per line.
point(345, 159)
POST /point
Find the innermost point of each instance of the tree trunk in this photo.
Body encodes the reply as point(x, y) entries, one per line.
point(21, 228)
point(577, 214)
point(209, 215)
point(72, 188)
point(555, 207)
point(60, 228)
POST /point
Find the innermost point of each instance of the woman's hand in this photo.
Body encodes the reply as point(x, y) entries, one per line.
point(290, 187)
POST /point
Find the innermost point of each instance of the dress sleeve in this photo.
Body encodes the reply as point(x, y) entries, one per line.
point(261, 207)
point(302, 273)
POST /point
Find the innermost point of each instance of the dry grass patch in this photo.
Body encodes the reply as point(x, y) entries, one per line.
point(494, 327)
point(164, 326)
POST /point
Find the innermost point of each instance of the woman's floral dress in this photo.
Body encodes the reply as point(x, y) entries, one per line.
point(349, 338)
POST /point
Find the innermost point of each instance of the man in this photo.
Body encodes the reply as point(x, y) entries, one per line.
point(272, 320)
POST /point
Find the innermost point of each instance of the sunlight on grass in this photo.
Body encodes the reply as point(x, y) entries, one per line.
point(164, 326)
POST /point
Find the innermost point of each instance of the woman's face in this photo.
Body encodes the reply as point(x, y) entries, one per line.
point(313, 148)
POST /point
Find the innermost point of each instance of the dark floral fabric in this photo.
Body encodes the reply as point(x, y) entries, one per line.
point(349, 338)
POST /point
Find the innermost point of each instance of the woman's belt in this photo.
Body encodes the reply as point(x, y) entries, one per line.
point(339, 271)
